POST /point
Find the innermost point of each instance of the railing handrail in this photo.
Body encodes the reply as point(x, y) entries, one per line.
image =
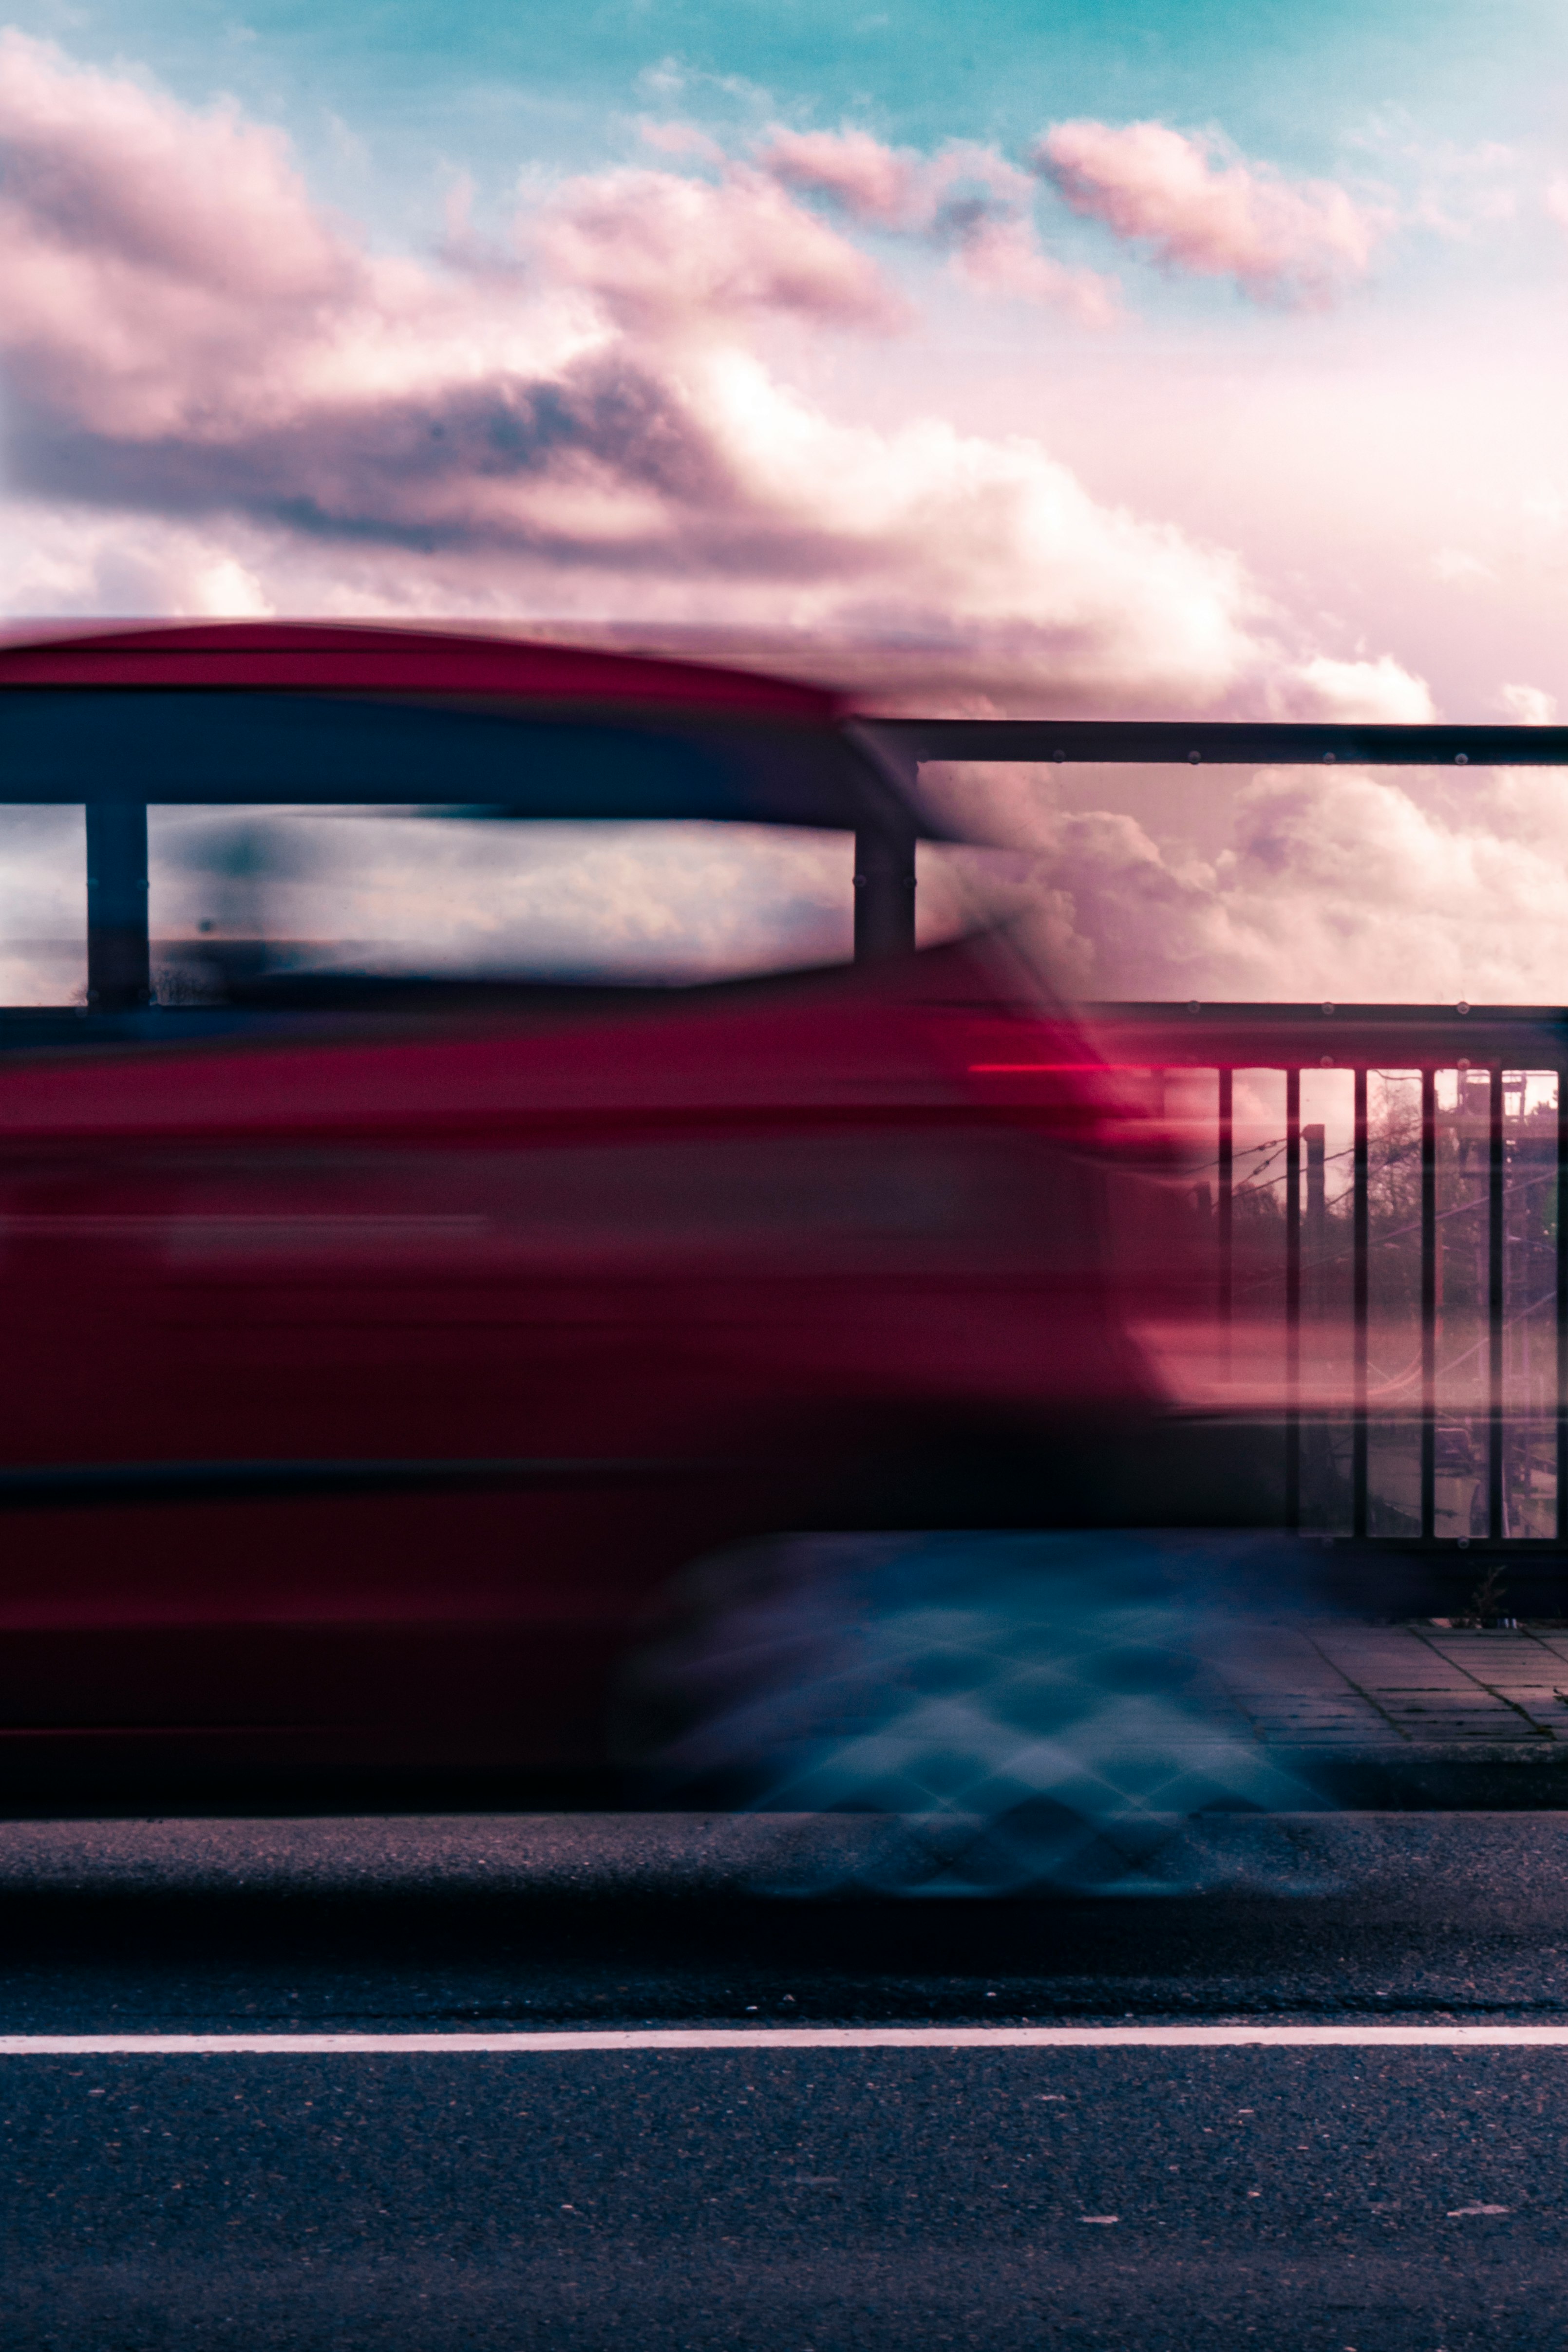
point(1227, 742)
point(1391, 1037)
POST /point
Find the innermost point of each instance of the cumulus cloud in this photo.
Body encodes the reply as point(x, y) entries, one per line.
point(728, 495)
point(73, 562)
point(1281, 242)
point(167, 274)
point(1344, 692)
point(153, 257)
point(1528, 706)
point(663, 254)
point(221, 398)
point(968, 200)
point(883, 187)
point(1341, 885)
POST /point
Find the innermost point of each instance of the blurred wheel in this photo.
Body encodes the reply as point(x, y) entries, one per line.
point(1034, 1708)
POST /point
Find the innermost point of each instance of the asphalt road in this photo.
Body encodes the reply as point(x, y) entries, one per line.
point(840, 2198)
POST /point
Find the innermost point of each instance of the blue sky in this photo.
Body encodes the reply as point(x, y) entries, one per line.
point(492, 87)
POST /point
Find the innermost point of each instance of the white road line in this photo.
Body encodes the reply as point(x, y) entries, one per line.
point(789, 2037)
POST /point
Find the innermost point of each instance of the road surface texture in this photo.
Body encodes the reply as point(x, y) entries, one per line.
point(814, 2195)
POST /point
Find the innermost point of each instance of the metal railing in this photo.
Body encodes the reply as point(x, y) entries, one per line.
point(1478, 1415)
point(1443, 1238)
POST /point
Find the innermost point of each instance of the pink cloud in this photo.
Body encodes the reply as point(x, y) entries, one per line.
point(1280, 242)
point(1344, 884)
point(1003, 256)
point(1528, 706)
point(1378, 692)
point(681, 138)
point(883, 187)
point(662, 252)
point(219, 396)
point(205, 200)
point(132, 229)
point(968, 200)
point(167, 273)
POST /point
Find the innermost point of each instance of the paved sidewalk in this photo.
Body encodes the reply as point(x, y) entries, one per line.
point(1401, 1696)
point(1333, 1685)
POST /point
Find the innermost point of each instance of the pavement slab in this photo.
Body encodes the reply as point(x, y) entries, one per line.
point(1419, 1698)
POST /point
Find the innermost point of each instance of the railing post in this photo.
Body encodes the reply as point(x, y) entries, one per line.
point(1293, 1299)
point(1225, 1215)
point(119, 957)
point(1315, 1247)
point(884, 891)
point(1561, 1527)
point(1360, 1221)
point(1496, 1513)
point(1428, 1303)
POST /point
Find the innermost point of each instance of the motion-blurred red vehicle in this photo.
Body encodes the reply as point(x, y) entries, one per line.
point(378, 1349)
